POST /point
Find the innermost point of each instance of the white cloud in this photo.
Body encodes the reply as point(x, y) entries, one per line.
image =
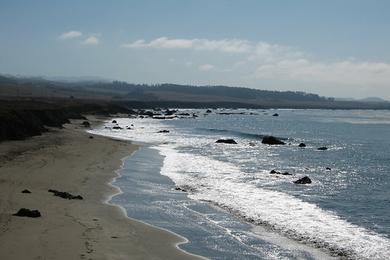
point(91, 40)
point(232, 45)
point(70, 35)
point(255, 63)
point(206, 67)
point(339, 72)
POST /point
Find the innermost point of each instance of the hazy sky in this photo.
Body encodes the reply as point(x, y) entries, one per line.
point(333, 48)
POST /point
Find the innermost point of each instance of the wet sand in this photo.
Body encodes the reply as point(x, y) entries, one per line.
point(68, 160)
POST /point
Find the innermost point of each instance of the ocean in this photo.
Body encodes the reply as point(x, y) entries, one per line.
point(224, 200)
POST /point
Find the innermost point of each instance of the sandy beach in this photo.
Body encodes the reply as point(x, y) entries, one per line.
point(69, 160)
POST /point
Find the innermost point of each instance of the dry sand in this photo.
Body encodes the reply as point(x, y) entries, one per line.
point(68, 160)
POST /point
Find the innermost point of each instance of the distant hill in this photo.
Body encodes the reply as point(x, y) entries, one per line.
point(373, 99)
point(12, 87)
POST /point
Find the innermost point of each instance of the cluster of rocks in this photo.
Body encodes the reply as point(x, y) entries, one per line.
point(185, 188)
point(158, 113)
point(65, 195)
point(34, 213)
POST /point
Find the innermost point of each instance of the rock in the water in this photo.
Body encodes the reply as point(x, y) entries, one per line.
point(31, 213)
point(163, 131)
point(170, 112)
point(304, 180)
point(86, 124)
point(328, 169)
point(276, 114)
point(271, 140)
point(281, 173)
point(113, 121)
point(302, 145)
point(90, 137)
point(117, 127)
point(208, 111)
point(26, 191)
point(322, 148)
point(226, 141)
point(185, 188)
point(65, 195)
point(252, 144)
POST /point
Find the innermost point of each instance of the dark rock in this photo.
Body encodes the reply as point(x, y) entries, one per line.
point(302, 145)
point(281, 173)
point(185, 188)
point(276, 114)
point(322, 148)
point(179, 189)
point(65, 195)
point(163, 131)
point(23, 212)
point(90, 137)
point(86, 124)
point(304, 180)
point(159, 117)
point(117, 127)
point(148, 113)
point(271, 140)
point(328, 169)
point(26, 191)
point(252, 144)
point(113, 121)
point(208, 111)
point(226, 141)
point(183, 114)
point(194, 115)
point(170, 112)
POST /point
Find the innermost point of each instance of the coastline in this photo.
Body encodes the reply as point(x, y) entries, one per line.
point(68, 160)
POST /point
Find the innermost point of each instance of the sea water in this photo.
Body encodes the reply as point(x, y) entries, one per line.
point(234, 208)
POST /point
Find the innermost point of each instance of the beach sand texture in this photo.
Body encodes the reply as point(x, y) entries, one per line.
point(68, 160)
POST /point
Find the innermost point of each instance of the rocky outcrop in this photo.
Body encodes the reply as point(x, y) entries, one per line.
point(323, 148)
point(23, 212)
point(26, 191)
point(271, 140)
point(163, 131)
point(226, 141)
point(304, 180)
point(302, 145)
point(86, 124)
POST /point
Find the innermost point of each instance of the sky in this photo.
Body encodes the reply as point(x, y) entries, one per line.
point(336, 48)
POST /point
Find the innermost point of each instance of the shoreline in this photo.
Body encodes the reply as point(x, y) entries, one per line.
point(69, 160)
point(124, 212)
